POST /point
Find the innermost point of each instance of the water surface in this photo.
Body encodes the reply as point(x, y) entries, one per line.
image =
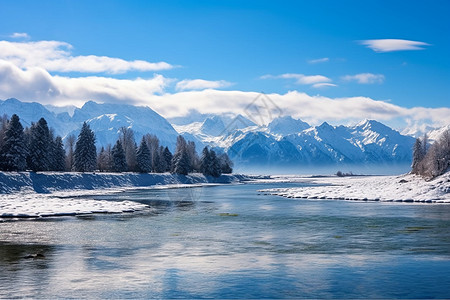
point(231, 242)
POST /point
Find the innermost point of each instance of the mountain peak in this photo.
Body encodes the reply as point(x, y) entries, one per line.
point(287, 125)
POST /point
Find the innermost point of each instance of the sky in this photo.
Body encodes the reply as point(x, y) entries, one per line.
point(334, 61)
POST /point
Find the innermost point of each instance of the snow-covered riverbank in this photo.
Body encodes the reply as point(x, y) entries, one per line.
point(401, 188)
point(31, 195)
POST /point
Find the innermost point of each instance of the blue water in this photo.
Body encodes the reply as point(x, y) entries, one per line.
point(231, 242)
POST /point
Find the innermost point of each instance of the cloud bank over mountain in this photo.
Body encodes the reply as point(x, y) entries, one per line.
point(43, 71)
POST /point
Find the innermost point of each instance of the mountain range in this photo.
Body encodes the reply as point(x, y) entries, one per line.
point(283, 142)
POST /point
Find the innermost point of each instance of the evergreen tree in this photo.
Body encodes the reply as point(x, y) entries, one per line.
point(205, 162)
point(168, 158)
point(418, 156)
point(180, 148)
point(181, 163)
point(14, 150)
point(59, 155)
point(143, 157)
point(70, 144)
point(226, 165)
point(194, 161)
point(215, 170)
point(162, 162)
point(85, 154)
point(118, 157)
point(39, 158)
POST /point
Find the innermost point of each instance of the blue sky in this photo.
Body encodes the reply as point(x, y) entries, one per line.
point(318, 49)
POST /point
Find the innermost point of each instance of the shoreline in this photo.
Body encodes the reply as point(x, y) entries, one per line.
point(50, 182)
point(406, 188)
point(27, 195)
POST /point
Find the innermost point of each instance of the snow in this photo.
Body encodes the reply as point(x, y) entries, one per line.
point(33, 195)
point(402, 188)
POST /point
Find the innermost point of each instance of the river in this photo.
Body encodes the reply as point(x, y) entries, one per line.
point(231, 241)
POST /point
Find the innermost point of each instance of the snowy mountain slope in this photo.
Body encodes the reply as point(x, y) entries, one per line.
point(32, 112)
point(284, 141)
point(367, 142)
point(287, 125)
point(107, 119)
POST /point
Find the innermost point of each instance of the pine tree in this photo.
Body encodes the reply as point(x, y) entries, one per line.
point(162, 163)
point(85, 155)
point(39, 158)
point(70, 144)
point(181, 163)
point(59, 156)
point(194, 161)
point(418, 155)
point(226, 165)
point(215, 170)
point(118, 157)
point(143, 157)
point(168, 158)
point(179, 149)
point(14, 150)
point(205, 162)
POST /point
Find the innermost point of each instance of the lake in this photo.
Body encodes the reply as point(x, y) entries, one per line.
point(231, 241)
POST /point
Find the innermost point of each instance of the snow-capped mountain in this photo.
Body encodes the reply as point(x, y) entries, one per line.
point(104, 119)
point(107, 119)
point(287, 125)
point(284, 141)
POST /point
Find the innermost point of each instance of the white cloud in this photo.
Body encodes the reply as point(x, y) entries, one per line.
point(57, 56)
point(19, 35)
point(318, 60)
point(389, 45)
point(36, 84)
point(323, 85)
point(365, 78)
point(200, 84)
point(300, 78)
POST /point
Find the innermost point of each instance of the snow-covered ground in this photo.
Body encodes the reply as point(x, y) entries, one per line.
point(33, 195)
point(401, 188)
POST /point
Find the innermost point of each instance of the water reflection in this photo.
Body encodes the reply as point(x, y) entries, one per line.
point(231, 242)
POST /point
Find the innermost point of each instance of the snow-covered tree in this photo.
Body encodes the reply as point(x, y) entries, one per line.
point(167, 155)
point(143, 157)
point(205, 162)
point(85, 154)
point(126, 136)
point(226, 165)
point(104, 159)
point(418, 155)
point(39, 155)
point(162, 162)
point(3, 124)
point(437, 159)
point(194, 161)
point(210, 164)
point(70, 145)
point(181, 163)
point(13, 154)
point(59, 155)
point(180, 159)
point(118, 157)
point(215, 169)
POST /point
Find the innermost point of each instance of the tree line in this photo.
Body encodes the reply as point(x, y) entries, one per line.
point(431, 161)
point(37, 149)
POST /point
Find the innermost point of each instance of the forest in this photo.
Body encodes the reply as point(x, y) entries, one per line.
point(36, 148)
point(432, 160)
